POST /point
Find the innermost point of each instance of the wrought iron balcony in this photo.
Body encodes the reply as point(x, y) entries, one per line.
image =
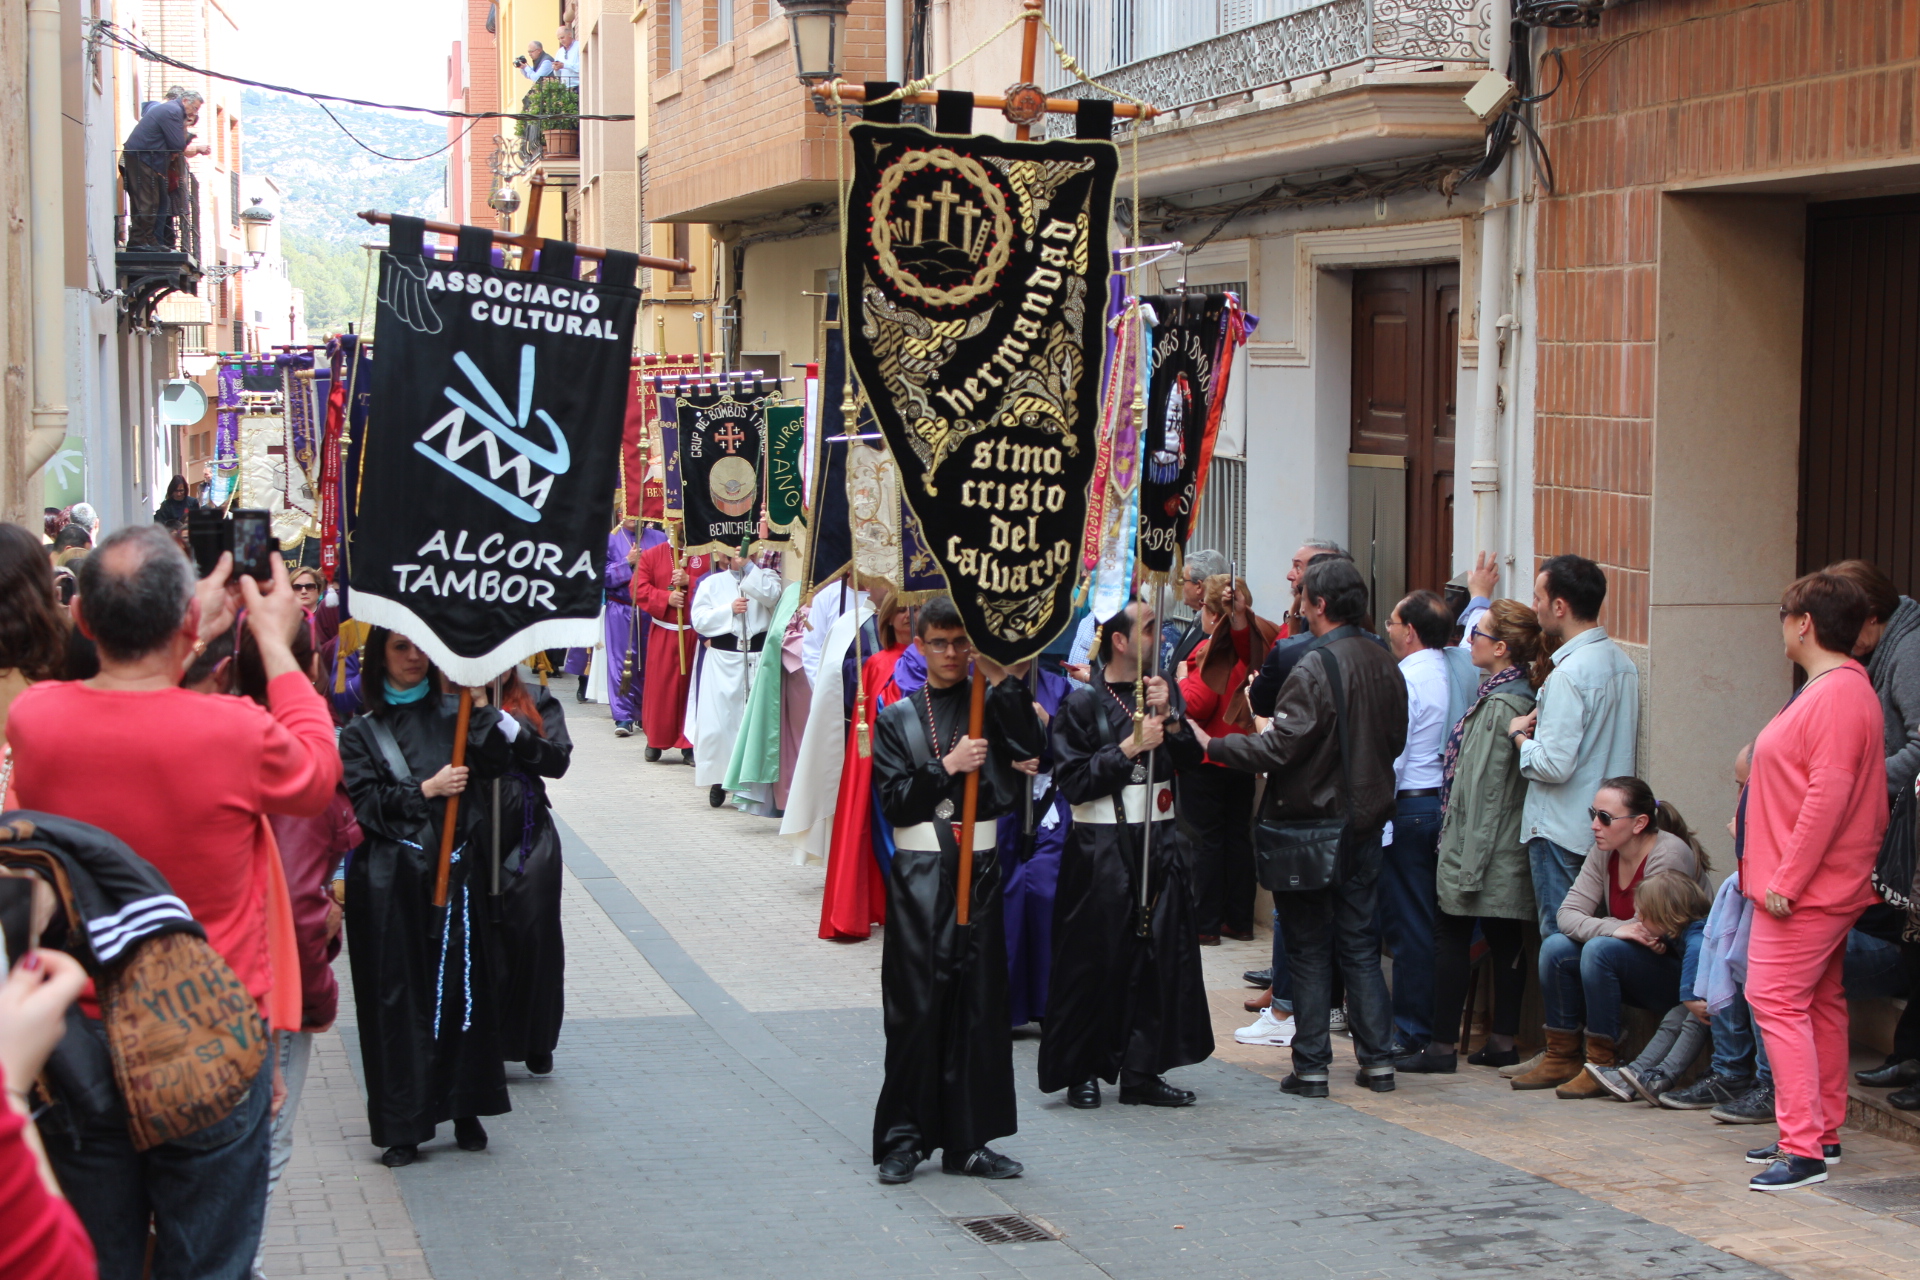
point(1182, 53)
point(157, 241)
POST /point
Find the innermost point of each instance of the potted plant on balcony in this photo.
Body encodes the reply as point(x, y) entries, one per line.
point(558, 131)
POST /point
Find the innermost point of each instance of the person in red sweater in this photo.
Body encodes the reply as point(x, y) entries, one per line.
point(187, 781)
point(1216, 800)
point(1816, 812)
point(662, 591)
point(40, 1236)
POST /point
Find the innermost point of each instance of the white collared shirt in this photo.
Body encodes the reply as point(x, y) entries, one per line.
point(1418, 765)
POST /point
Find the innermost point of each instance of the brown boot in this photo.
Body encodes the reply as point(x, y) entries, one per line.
point(1560, 1063)
point(1586, 1085)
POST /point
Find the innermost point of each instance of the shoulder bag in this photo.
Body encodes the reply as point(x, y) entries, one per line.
point(1303, 856)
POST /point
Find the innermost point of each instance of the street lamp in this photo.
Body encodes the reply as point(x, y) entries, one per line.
point(255, 220)
point(504, 200)
point(818, 35)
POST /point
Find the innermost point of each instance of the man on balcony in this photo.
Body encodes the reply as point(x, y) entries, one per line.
point(566, 59)
point(147, 164)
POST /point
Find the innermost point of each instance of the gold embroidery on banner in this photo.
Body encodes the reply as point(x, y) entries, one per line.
point(931, 230)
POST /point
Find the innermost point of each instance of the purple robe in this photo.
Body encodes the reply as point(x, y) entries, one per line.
point(1027, 897)
point(626, 627)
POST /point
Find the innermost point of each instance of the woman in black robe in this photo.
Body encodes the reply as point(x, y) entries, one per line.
point(1122, 1006)
point(533, 995)
point(423, 978)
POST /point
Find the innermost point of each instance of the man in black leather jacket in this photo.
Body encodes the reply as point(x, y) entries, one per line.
point(1300, 752)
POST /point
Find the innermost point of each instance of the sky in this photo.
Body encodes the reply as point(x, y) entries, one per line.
point(380, 50)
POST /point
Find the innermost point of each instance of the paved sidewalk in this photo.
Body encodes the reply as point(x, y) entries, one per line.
point(711, 1109)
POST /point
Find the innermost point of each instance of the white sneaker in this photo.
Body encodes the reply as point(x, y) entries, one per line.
point(1337, 1021)
point(1270, 1030)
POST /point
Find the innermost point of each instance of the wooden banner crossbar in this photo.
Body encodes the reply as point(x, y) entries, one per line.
point(528, 241)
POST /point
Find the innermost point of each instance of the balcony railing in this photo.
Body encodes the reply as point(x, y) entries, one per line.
point(1179, 53)
point(156, 237)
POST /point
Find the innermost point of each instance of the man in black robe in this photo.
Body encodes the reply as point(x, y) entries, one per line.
point(1123, 1006)
point(943, 987)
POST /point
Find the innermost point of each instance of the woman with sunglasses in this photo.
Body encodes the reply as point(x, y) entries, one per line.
point(1484, 877)
point(1605, 955)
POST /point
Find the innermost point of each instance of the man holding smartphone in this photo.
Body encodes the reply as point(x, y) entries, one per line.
point(184, 780)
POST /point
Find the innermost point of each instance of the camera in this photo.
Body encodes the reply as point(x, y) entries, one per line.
point(248, 534)
point(520, 61)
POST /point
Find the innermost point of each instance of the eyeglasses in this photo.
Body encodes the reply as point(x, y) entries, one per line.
point(947, 646)
point(1478, 634)
point(306, 586)
point(1606, 819)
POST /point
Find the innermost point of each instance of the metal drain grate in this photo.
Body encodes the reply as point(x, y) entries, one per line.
point(1886, 1195)
point(1006, 1228)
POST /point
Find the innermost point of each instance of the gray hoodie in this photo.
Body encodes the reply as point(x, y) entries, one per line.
point(1894, 666)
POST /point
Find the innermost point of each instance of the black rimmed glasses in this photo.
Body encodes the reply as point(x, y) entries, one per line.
point(947, 646)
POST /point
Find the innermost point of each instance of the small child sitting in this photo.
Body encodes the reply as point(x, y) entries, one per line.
point(1674, 907)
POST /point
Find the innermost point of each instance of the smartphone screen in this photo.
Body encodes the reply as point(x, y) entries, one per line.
point(206, 534)
point(16, 917)
point(253, 544)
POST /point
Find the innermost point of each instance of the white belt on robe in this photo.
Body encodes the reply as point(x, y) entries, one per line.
point(671, 626)
point(1100, 812)
point(924, 837)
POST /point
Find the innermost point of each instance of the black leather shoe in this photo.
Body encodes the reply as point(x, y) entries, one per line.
point(653, 753)
point(539, 1064)
point(1258, 977)
point(399, 1157)
point(1428, 1063)
point(899, 1167)
point(1787, 1173)
point(984, 1163)
point(1488, 1056)
point(1374, 1078)
point(1304, 1088)
point(1895, 1075)
point(469, 1134)
point(1907, 1099)
point(1156, 1093)
point(1829, 1154)
point(1084, 1096)
point(686, 756)
point(580, 694)
point(716, 795)
point(1238, 935)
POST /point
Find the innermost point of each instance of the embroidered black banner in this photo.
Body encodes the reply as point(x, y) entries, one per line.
point(979, 268)
point(488, 473)
point(721, 461)
point(1186, 341)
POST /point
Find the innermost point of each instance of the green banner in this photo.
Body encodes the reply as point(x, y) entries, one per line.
point(786, 429)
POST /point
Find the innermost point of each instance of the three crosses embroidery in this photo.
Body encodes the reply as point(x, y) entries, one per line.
point(945, 198)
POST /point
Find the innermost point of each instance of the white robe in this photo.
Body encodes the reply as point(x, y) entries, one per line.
point(718, 699)
point(808, 821)
point(829, 604)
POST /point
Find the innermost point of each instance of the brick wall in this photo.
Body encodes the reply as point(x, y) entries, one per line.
point(733, 119)
point(1662, 92)
point(482, 51)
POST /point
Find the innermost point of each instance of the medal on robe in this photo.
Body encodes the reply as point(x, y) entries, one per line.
point(943, 810)
point(1139, 772)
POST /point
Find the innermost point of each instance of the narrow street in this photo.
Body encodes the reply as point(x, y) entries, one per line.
point(711, 1105)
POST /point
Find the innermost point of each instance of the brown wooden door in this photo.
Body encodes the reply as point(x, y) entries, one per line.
point(1406, 330)
point(1859, 453)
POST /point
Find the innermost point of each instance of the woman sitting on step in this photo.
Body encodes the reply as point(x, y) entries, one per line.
point(1604, 955)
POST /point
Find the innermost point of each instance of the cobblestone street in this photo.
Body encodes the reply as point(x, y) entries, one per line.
point(711, 1108)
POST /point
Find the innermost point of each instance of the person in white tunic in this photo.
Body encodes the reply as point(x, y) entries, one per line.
point(815, 789)
point(730, 611)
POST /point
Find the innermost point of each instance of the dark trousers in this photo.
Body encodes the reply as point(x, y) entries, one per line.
point(1329, 927)
point(1453, 972)
point(1584, 984)
point(1217, 803)
point(206, 1194)
point(147, 204)
point(1408, 869)
point(1886, 923)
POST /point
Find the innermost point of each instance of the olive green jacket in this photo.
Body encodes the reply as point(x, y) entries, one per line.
point(1483, 847)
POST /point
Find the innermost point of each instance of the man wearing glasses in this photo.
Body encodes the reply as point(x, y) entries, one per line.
point(943, 988)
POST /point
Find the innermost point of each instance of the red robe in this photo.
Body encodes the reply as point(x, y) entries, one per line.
point(856, 894)
point(663, 711)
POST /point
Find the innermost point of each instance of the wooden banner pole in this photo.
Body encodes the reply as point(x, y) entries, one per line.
point(970, 800)
point(1029, 43)
point(453, 801)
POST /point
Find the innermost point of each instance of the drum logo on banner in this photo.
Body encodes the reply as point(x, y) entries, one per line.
point(487, 475)
point(979, 266)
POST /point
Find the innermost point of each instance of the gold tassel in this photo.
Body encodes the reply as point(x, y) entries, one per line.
point(862, 740)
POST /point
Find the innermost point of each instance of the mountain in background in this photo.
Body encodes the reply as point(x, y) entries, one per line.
point(326, 179)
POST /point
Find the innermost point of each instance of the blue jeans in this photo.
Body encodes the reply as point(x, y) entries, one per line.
point(1329, 927)
point(206, 1194)
point(1409, 869)
point(1554, 870)
point(1584, 984)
